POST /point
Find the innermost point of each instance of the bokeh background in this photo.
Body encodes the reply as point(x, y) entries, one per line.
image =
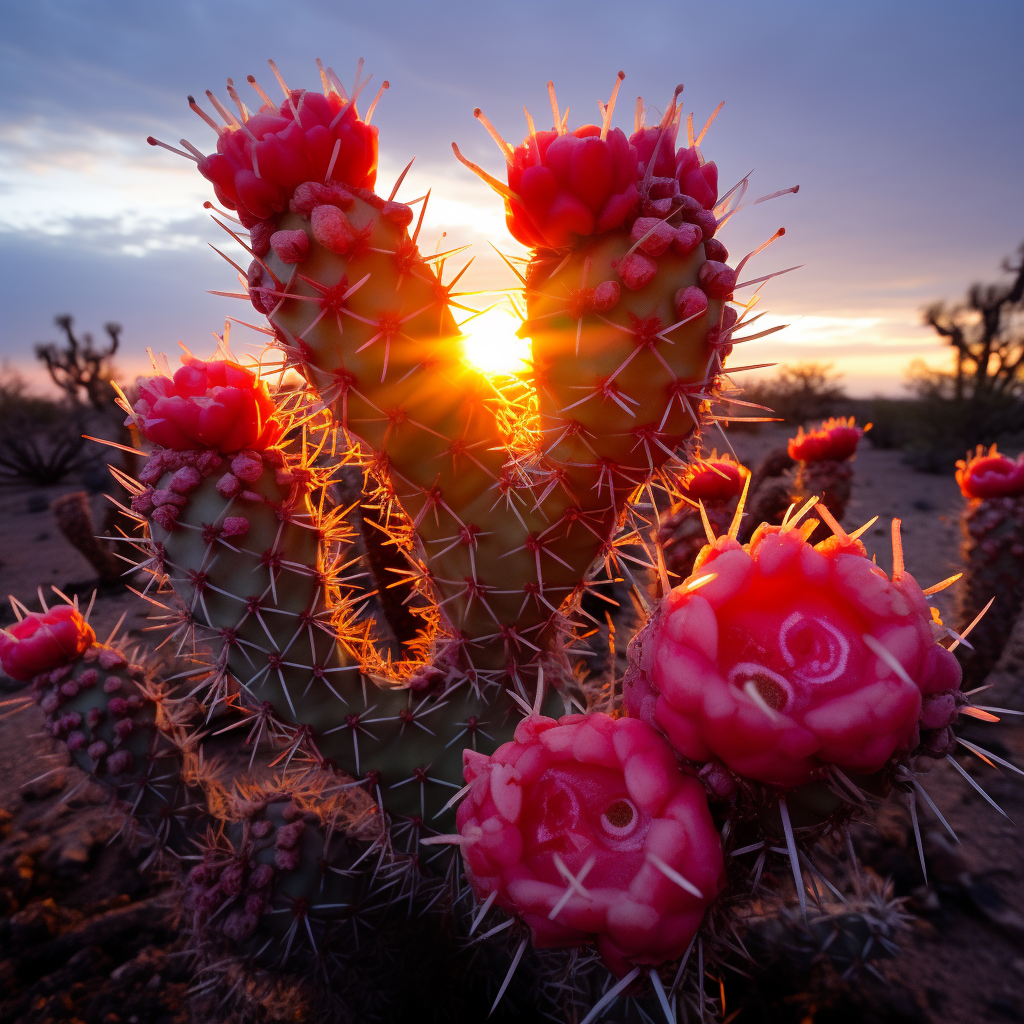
point(901, 122)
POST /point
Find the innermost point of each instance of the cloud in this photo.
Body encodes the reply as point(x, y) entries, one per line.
point(910, 178)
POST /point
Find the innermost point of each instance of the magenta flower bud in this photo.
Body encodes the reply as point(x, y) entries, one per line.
point(690, 303)
point(287, 860)
point(247, 468)
point(779, 659)
point(835, 440)
point(298, 143)
point(332, 229)
point(43, 641)
point(990, 475)
point(143, 503)
point(263, 874)
point(184, 481)
point(228, 485)
point(653, 235)
point(659, 144)
point(717, 279)
point(687, 238)
point(601, 800)
point(165, 496)
point(707, 222)
point(119, 762)
point(98, 750)
point(234, 526)
point(717, 479)
point(217, 405)
point(290, 246)
point(111, 658)
point(714, 250)
point(606, 296)
point(696, 178)
point(636, 270)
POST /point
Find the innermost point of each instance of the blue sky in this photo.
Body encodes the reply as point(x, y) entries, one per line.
point(903, 122)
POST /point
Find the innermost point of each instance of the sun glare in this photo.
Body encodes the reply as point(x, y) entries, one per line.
point(490, 343)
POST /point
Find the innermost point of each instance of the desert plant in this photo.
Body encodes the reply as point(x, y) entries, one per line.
point(74, 520)
point(80, 366)
point(992, 528)
point(600, 835)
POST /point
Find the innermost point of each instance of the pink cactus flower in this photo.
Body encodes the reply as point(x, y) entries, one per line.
point(215, 405)
point(835, 440)
point(660, 140)
point(43, 641)
point(256, 169)
point(990, 475)
point(779, 659)
point(570, 185)
point(587, 829)
point(697, 178)
point(718, 478)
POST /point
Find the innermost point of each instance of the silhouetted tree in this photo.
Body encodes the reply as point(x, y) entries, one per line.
point(987, 334)
point(79, 366)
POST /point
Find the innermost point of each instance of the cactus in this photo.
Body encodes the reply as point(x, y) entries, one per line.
point(814, 463)
point(256, 556)
point(708, 490)
point(992, 527)
point(823, 466)
point(778, 671)
point(116, 719)
point(779, 659)
point(74, 519)
point(586, 827)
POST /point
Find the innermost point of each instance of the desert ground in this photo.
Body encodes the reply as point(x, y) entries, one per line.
point(86, 935)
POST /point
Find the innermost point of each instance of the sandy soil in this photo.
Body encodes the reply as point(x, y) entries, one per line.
point(962, 961)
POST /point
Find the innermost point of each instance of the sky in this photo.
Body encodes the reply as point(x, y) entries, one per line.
point(902, 122)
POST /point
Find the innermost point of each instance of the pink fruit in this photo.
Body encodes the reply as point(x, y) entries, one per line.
point(570, 184)
point(835, 440)
point(788, 659)
point(697, 178)
point(990, 475)
point(604, 800)
point(719, 478)
point(311, 137)
point(43, 641)
point(216, 405)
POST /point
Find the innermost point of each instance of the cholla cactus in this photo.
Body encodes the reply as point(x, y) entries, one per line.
point(116, 719)
point(824, 465)
point(800, 680)
point(507, 499)
point(992, 527)
point(707, 491)
point(815, 463)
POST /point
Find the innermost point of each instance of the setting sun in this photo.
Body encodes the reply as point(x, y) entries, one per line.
point(491, 345)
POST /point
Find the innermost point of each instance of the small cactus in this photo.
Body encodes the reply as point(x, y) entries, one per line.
point(992, 528)
point(118, 722)
point(707, 490)
point(824, 465)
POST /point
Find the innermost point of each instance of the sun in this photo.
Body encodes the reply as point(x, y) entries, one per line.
point(490, 344)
